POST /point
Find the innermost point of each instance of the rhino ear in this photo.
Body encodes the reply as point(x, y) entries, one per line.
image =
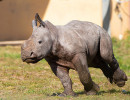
point(37, 18)
point(34, 24)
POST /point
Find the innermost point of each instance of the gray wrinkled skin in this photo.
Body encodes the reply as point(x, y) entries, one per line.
point(76, 45)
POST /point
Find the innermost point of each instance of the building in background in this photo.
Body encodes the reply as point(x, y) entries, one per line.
point(17, 15)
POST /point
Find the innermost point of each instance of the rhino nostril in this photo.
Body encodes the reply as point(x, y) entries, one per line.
point(31, 54)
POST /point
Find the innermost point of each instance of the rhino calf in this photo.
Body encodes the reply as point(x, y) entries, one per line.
point(76, 45)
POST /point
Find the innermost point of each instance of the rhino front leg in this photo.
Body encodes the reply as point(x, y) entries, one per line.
point(63, 74)
point(80, 63)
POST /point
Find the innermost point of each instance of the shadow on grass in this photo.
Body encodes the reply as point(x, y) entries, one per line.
point(113, 91)
point(76, 94)
point(55, 94)
point(80, 93)
point(99, 93)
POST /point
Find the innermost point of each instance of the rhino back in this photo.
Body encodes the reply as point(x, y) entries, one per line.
point(79, 36)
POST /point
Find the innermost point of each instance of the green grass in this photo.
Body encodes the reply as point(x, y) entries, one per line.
point(122, 52)
point(21, 81)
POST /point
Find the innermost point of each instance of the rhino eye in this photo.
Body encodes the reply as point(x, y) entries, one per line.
point(39, 42)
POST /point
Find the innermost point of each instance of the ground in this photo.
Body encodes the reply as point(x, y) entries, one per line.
point(20, 81)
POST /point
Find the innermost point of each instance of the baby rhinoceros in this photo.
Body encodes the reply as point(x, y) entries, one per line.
point(76, 45)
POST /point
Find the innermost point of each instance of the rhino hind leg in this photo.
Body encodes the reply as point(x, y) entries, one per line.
point(107, 71)
point(63, 74)
point(119, 76)
point(106, 53)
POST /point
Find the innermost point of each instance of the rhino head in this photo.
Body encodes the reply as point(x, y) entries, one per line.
point(39, 43)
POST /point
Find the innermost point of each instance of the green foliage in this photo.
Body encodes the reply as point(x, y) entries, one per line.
point(121, 50)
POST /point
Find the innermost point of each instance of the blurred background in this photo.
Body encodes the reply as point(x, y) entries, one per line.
point(16, 15)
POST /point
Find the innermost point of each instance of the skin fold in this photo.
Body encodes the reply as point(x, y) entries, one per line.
point(77, 45)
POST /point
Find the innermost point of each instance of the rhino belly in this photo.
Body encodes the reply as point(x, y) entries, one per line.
point(65, 64)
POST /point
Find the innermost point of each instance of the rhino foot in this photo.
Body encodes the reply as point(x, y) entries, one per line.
point(94, 90)
point(119, 77)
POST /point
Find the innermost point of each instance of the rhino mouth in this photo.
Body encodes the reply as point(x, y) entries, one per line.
point(32, 60)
